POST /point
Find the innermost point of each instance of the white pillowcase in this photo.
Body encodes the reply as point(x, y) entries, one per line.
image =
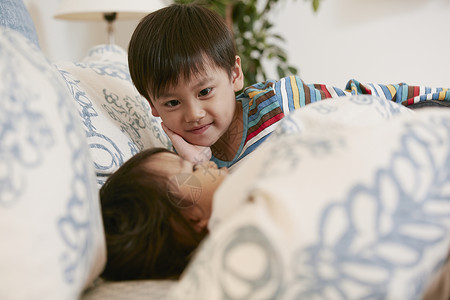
point(51, 234)
point(117, 119)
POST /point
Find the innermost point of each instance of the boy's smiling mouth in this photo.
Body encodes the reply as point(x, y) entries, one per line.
point(199, 129)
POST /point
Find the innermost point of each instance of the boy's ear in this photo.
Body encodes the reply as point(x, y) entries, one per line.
point(237, 75)
point(154, 111)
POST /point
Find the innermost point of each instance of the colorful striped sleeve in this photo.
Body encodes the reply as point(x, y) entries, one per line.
point(263, 110)
point(401, 93)
point(294, 93)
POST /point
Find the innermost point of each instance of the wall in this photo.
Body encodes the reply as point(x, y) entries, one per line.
point(71, 40)
point(382, 41)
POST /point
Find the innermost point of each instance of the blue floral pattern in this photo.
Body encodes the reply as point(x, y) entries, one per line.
point(117, 120)
point(98, 140)
point(55, 194)
point(19, 151)
point(79, 222)
point(410, 223)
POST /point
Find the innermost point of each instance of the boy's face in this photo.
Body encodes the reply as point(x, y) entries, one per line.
point(201, 110)
point(190, 187)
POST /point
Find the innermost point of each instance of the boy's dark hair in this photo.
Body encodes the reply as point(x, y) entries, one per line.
point(146, 235)
point(175, 43)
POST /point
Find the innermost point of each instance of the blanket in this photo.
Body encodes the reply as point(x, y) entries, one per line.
point(348, 199)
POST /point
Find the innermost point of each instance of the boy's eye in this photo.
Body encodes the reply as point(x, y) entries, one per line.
point(204, 92)
point(172, 103)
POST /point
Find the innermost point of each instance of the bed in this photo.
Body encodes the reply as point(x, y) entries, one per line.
point(348, 198)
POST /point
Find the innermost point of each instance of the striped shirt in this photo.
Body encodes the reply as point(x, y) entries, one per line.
point(266, 103)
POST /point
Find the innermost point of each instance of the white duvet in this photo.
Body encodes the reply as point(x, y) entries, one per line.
point(348, 199)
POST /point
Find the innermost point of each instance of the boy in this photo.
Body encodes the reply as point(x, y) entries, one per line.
point(183, 60)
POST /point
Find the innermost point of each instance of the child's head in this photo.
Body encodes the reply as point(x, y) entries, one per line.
point(176, 43)
point(155, 209)
point(182, 59)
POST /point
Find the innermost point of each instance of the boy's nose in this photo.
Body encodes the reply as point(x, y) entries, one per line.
point(194, 113)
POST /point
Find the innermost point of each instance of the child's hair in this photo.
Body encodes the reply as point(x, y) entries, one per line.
point(146, 235)
point(177, 42)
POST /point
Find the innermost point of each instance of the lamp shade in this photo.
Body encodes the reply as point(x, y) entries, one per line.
point(85, 10)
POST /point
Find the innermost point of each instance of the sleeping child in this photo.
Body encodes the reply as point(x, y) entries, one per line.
point(156, 208)
point(183, 60)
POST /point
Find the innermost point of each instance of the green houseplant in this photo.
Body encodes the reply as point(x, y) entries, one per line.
point(255, 41)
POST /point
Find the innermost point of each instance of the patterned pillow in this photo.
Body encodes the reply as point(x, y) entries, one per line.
point(116, 118)
point(51, 236)
point(14, 15)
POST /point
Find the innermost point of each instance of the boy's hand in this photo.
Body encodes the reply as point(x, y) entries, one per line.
point(193, 153)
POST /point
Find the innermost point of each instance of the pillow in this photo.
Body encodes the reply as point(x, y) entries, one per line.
point(51, 234)
point(14, 15)
point(116, 118)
